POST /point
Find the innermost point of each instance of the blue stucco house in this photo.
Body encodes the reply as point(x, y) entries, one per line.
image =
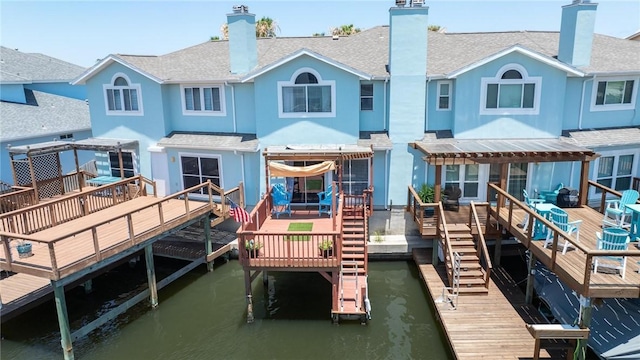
point(210, 111)
point(38, 104)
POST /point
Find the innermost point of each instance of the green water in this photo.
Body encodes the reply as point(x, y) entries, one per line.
point(203, 316)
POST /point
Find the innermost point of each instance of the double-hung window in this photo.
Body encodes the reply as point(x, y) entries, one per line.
point(444, 95)
point(122, 97)
point(466, 177)
point(366, 97)
point(614, 94)
point(203, 100)
point(128, 164)
point(615, 171)
point(512, 92)
point(306, 95)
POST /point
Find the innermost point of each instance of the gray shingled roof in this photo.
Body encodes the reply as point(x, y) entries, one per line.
point(211, 141)
point(597, 138)
point(378, 140)
point(17, 66)
point(368, 52)
point(43, 114)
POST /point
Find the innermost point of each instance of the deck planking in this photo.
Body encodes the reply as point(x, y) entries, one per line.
point(19, 290)
point(491, 326)
point(571, 267)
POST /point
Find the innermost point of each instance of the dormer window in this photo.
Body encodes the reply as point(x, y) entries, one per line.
point(306, 95)
point(511, 92)
point(122, 97)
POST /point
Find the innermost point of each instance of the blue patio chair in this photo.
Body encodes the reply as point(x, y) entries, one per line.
point(616, 212)
point(560, 218)
point(551, 196)
point(281, 200)
point(611, 239)
point(324, 201)
point(531, 204)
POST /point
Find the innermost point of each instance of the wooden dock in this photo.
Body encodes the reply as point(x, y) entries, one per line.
point(20, 291)
point(489, 326)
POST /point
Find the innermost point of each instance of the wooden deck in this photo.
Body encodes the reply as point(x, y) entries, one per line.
point(489, 326)
point(19, 290)
point(573, 268)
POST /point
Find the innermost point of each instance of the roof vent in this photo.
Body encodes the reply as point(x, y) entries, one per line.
point(240, 9)
point(336, 37)
point(417, 3)
point(401, 3)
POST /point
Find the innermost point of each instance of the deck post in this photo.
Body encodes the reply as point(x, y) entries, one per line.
point(434, 252)
point(88, 286)
point(207, 242)
point(586, 305)
point(265, 278)
point(63, 320)
point(247, 289)
point(528, 297)
point(151, 275)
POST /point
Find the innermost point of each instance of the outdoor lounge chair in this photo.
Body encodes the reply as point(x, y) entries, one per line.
point(451, 198)
point(531, 204)
point(281, 200)
point(611, 239)
point(560, 218)
point(324, 203)
point(616, 212)
point(551, 196)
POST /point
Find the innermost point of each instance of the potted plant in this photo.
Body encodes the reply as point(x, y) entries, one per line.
point(253, 248)
point(426, 193)
point(24, 249)
point(326, 248)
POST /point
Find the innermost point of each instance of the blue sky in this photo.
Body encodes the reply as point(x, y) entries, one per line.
point(82, 31)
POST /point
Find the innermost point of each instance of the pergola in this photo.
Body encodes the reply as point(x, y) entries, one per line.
point(450, 151)
point(50, 168)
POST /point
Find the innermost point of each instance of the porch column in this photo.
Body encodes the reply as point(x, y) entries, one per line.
point(151, 275)
point(120, 161)
point(208, 246)
point(528, 297)
point(63, 320)
point(583, 196)
point(60, 173)
point(586, 305)
point(79, 178)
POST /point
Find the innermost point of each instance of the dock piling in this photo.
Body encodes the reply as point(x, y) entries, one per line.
point(63, 320)
point(151, 275)
point(207, 242)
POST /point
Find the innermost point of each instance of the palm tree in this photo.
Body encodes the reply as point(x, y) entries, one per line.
point(265, 27)
point(435, 28)
point(345, 30)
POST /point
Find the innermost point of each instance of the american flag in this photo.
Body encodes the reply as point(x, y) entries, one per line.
point(238, 213)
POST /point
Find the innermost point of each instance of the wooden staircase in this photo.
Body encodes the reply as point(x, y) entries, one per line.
point(471, 272)
point(352, 286)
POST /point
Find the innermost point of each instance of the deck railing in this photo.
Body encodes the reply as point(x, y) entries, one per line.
point(18, 197)
point(136, 234)
point(290, 248)
point(511, 203)
point(29, 220)
point(608, 193)
point(418, 209)
point(481, 244)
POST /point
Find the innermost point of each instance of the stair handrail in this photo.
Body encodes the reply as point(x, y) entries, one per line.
point(447, 240)
point(342, 263)
point(453, 291)
point(481, 245)
point(366, 234)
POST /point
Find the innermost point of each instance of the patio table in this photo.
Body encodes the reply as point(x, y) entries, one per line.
point(539, 229)
point(102, 180)
point(634, 230)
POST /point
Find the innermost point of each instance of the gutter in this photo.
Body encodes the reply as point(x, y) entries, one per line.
point(581, 110)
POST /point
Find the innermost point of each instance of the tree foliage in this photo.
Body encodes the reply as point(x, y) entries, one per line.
point(345, 30)
point(265, 27)
point(435, 28)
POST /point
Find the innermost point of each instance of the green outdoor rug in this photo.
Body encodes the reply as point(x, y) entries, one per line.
point(306, 226)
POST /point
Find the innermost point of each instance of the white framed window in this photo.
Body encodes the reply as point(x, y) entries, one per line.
point(207, 100)
point(465, 177)
point(306, 95)
point(444, 95)
point(366, 97)
point(121, 97)
point(128, 164)
point(198, 168)
point(615, 170)
point(511, 92)
point(615, 93)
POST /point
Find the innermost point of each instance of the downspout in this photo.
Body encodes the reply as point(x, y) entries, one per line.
point(233, 107)
point(384, 114)
point(386, 179)
point(584, 86)
point(244, 188)
point(426, 106)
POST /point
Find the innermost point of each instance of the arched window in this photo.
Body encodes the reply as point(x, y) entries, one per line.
point(122, 97)
point(512, 91)
point(306, 95)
